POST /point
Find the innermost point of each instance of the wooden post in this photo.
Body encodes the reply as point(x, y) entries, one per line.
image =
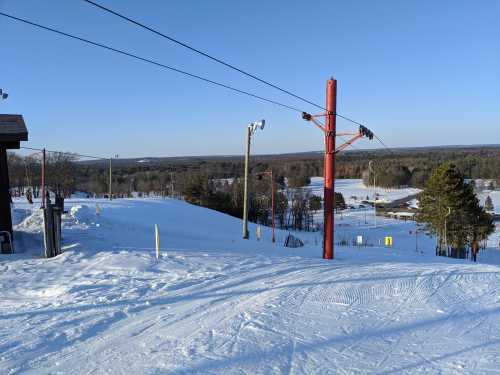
point(157, 241)
point(56, 212)
point(48, 214)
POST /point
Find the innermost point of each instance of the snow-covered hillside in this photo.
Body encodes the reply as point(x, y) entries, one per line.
point(215, 303)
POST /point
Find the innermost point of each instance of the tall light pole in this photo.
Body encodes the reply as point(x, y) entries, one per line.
point(250, 130)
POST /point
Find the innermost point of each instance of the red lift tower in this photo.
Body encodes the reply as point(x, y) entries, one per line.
point(330, 131)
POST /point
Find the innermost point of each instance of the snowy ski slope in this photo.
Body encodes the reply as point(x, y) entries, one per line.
point(216, 304)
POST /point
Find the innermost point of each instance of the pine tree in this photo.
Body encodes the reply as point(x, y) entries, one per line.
point(488, 204)
point(450, 209)
point(339, 201)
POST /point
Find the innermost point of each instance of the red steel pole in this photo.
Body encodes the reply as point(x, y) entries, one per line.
point(43, 178)
point(329, 168)
point(272, 203)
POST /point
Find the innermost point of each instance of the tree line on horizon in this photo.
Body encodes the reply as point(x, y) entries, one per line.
point(398, 169)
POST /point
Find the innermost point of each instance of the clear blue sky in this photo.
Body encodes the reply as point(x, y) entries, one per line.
point(417, 72)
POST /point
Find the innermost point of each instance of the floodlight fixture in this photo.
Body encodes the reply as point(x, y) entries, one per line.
point(251, 129)
point(253, 126)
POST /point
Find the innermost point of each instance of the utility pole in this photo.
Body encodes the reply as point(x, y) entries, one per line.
point(329, 168)
point(251, 129)
point(110, 179)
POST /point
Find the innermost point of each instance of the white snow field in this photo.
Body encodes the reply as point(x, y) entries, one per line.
point(216, 304)
point(351, 188)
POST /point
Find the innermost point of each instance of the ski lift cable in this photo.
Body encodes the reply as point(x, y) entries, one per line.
point(185, 45)
point(150, 61)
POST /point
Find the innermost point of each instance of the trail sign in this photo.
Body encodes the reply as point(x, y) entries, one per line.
point(388, 241)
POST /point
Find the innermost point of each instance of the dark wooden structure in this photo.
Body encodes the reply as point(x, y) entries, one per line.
point(52, 228)
point(12, 132)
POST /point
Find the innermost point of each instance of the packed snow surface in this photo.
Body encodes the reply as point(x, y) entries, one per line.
point(216, 304)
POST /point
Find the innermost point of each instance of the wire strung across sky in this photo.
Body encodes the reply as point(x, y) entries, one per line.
point(207, 80)
point(137, 57)
point(231, 66)
point(185, 45)
point(64, 153)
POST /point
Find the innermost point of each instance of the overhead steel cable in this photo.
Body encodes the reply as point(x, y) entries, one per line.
point(382, 143)
point(204, 79)
point(64, 153)
point(185, 45)
point(137, 57)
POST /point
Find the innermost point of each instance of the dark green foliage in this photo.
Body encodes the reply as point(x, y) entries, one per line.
point(450, 209)
point(339, 201)
point(390, 175)
point(281, 202)
point(196, 189)
point(488, 204)
point(315, 203)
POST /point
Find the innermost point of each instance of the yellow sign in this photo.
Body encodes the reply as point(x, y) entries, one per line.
point(388, 241)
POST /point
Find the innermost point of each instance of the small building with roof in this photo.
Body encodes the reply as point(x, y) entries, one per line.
point(12, 131)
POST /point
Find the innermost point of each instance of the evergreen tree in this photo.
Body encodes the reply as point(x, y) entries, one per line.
point(315, 203)
point(281, 208)
point(339, 201)
point(488, 204)
point(450, 209)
